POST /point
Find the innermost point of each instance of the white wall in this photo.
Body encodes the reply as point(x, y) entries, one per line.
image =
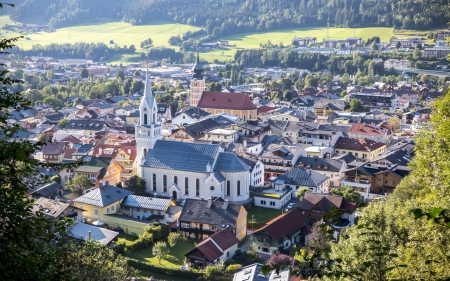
point(257, 174)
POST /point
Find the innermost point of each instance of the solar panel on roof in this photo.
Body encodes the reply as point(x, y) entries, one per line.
point(88, 159)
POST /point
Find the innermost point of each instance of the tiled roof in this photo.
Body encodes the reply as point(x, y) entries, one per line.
point(300, 176)
point(47, 189)
point(146, 202)
point(365, 145)
point(367, 129)
point(321, 164)
point(229, 162)
point(197, 211)
point(224, 239)
point(283, 225)
point(53, 148)
point(174, 210)
point(209, 250)
point(85, 125)
point(223, 100)
point(71, 139)
point(68, 153)
point(183, 156)
point(103, 236)
point(326, 202)
point(103, 196)
point(338, 105)
point(49, 207)
point(219, 177)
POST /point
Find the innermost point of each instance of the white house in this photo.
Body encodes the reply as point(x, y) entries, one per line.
point(193, 114)
point(151, 209)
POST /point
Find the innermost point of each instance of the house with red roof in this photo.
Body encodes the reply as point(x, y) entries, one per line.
point(280, 233)
point(220, 246)
point(363, 149)
point(371, 132)
point(238, 104)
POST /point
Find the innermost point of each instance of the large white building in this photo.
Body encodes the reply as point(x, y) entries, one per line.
point(183, 170)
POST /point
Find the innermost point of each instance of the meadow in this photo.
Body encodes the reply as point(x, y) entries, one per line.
point(104, 30)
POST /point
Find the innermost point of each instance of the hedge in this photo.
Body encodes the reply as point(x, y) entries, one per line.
point(167, 271)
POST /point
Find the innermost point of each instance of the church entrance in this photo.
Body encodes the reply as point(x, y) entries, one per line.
point(174, 195)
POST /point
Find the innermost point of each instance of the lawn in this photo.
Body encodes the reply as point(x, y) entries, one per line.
point(260, 216)
point(127, 238)
point(147, 274)
point(174, 260)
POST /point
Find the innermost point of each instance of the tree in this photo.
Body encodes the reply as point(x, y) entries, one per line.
point(160, 250)
point(176, 238)
point(84, 73)
point(349, 194)
point(120, 75)
point(311, 81)
point(281, 260)
point(78, 184)
point(287, 95)
point(417, 53)
point(300, 193)
point(63, 123)
point(356, 106)
point(398, 45)
point(138, 185)
point(395, 123)
point(43, 138)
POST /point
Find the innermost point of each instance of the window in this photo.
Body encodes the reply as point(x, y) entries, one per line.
point(154, 182)
point(164, 183)
point(211, 187)
point(126, 208)
point(186, 186)
point(263, 202)
point(95, 211)
point(145, 210)
point(228, 188)
point(138, 209)
point(107, 211)
point(145, 151)
point(175, 180)
point(112, 208)
point(197, 187)
point(356, 153)
point(238, 188)
point(145, 119)
point(272, 203)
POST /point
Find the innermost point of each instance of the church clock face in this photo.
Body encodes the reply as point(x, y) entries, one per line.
point(212, 187)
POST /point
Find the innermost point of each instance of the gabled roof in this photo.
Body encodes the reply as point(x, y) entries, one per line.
point(366, 129)
point(53, 148)
point(196, 113)
point(81, 231)
point(174, 155)
point(71, 139)
point(146, 202)
point(285, 224)
point(223, 100)
point(85, 125)
point(337, 105)
point(321, 164)
point(197, 211)
point(103, 196)
point(300, 176)
point(364, 145)
point(47, 189)
point(326, 202)
point(229, 162)
point(223, 240)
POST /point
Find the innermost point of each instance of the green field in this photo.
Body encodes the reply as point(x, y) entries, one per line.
point(122, 33)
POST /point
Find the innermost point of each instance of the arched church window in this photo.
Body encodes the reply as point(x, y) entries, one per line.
point(145, 151)
point(164, 183)
point(228, 188)
point(238, 187)
point(197, 187)
point(145, 118)
point(154, 182)
point(186, 186)
point(175, 180)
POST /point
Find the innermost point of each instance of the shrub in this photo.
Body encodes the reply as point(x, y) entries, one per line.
point(167, 271)
point(175, 238)
point(232, 268)
point(159, 231)
point(142, 242)
point(211, 271)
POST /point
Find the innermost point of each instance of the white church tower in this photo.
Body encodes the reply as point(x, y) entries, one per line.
point(147, 130)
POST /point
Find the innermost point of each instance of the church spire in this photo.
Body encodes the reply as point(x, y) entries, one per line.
point(148, 86)
point(198, 69)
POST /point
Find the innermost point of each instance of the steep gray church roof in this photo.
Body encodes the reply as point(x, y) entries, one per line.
point(182, 156)
point(229, 162)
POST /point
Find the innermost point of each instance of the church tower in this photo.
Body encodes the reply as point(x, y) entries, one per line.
point(147, 130)
point(198, 83)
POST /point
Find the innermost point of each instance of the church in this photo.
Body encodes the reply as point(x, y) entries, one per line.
point(183, 170)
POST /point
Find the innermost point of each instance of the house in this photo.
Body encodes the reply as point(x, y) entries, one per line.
point(220, 246)
point(374, 181)
point(364, 149)
point(150, 208)
point(56, 210)
point(278, 158)
point(49, 190)
point(193, 114)
point(332, 168)
point(94, 168)
point(164, 111)
point(304, 41)
point(437, 52)
point(411, 42)
point(371, 132)
point(323, 106)
point(53, 152)
point(99, 202)
point(86, 232)
point(280, 233)
point(377, 100)
point(195, 131)
point(202, 218)
point(221, 135)
point(324, 137)
point(88, 127)
point(315, 205)
point(238, 104)
point(257, 168)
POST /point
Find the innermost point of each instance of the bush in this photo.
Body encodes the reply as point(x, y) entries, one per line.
point(167, 271)
point(232, 268)
point(245, 258)
point(160, 231)
point(140, 243)
point(212, 270)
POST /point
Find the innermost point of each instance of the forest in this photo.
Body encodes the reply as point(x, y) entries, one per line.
point(226, 17)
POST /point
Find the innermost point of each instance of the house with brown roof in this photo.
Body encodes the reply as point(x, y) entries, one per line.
point(238, 104)
point(315, 205)
point(280, 233)
point(364, 149)
point(56, 210)
point(371, 132)
point(53, 152)
point(218, 247)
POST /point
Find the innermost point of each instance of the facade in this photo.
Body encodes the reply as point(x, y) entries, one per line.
point(150, 209)
point(280, 233)
point(323, 106)
point(182, 170)
point(437, 52)
point(202, 218)
point(386, 101)
point(411, 42)
point(278, 159)
point(53, 152)
point(193, 114)
point(371, 132)
point(317, 137)
point(198, 84)
point(364, 149)
point(236, 104)
point(304, 41)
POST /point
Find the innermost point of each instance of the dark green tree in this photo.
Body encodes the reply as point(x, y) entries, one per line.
point(138, 185)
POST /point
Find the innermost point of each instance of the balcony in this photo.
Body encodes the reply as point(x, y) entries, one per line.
point(197, 230)
point(357, 183)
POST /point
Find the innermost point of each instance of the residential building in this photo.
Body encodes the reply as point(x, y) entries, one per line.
point(238, 104)
point(150, 209)
point(53, 152)
point(396, 63)
point(202, 218)
point(323, 106)
point(221, 135)
point(364, 149)
point(371, 132)
point(191, 115)
point(304, 41)
point(278, 159)
point(220, 246)
point(256, 166)
point(94, 168)
point(281, 232)
point(332, 168)
point(314, 206)
point(164, 111)
point(318, 137)
point(56, 210)
point(374, 181)
point(437, 52)
point(377, 100)
point(49, 190)
point(87, 232)
point(88, 127)
point(411, 42)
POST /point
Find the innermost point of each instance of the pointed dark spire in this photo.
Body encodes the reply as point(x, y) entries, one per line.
point(198, 69)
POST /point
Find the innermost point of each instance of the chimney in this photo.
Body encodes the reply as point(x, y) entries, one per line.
point(100, 184)
point(100, 151)
point(203, 198)
point(129, 150)
point(225, 204)
point(90, 235)
point(310, 172)
point(244, 143)
point(209, 203)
